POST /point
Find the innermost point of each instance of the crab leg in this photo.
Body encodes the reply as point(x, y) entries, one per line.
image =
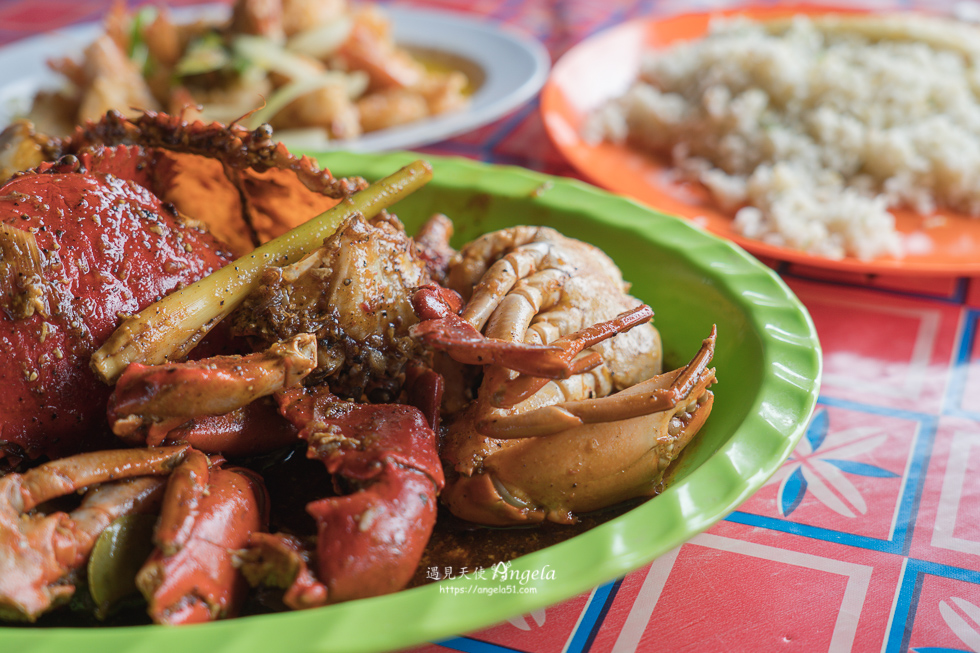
point(41, 550)
point(188, 484)
point(512, 391)
point(108, 501)
point(162, 397)
point(21, 493)
point(253, 429)
point(662, 392)
point(480, 255)
point(208, 513)
point(432, 244)
point(495, 286)
point(465, 344)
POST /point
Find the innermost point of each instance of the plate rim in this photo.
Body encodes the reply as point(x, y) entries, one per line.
point(512, 86)
point(771, 427)
point(558, 133)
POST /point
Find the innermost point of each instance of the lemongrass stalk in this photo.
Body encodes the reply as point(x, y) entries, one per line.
point(171, 327)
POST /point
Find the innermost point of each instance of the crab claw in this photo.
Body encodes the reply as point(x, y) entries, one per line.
point(40, 551)
point(369, 542)
point(663, 392)
point(537, 467)
point(158, 398)
point(251, 430)
point(560, 359)
point(208, 513)
point(283, 561)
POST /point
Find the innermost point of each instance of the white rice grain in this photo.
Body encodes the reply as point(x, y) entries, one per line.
point(811, 129)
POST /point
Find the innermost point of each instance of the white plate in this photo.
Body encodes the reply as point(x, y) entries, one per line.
point(514, 66)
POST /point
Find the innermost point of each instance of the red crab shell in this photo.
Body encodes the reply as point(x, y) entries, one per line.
point(107, 247)
point(110, 238)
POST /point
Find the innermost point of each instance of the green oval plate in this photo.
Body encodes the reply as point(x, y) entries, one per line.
point(768, 363)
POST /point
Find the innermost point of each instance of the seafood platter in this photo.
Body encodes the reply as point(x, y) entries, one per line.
point(251, 398)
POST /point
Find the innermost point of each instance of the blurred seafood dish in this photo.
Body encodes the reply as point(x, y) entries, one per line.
point(322, 70)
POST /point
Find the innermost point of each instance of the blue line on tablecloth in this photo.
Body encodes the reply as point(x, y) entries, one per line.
point(813, 532)
point(910, 587)
point(592, 616)
point(900, 540)
point(581, 639)
point(953, 399)
point(469, 645)
point(873, 409)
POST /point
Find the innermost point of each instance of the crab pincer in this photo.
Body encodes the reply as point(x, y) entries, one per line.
point(209, 512)
point(370, 541)
point(41, 551)
point(555, 460)
point(151, 400)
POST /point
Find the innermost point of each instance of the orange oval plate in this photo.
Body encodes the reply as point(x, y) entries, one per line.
point(603, 67)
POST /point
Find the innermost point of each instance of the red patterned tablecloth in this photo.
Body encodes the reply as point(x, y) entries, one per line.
point(868, 538)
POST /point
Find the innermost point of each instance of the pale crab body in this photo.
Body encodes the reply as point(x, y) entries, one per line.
point(606, 424)
point(532, 284)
